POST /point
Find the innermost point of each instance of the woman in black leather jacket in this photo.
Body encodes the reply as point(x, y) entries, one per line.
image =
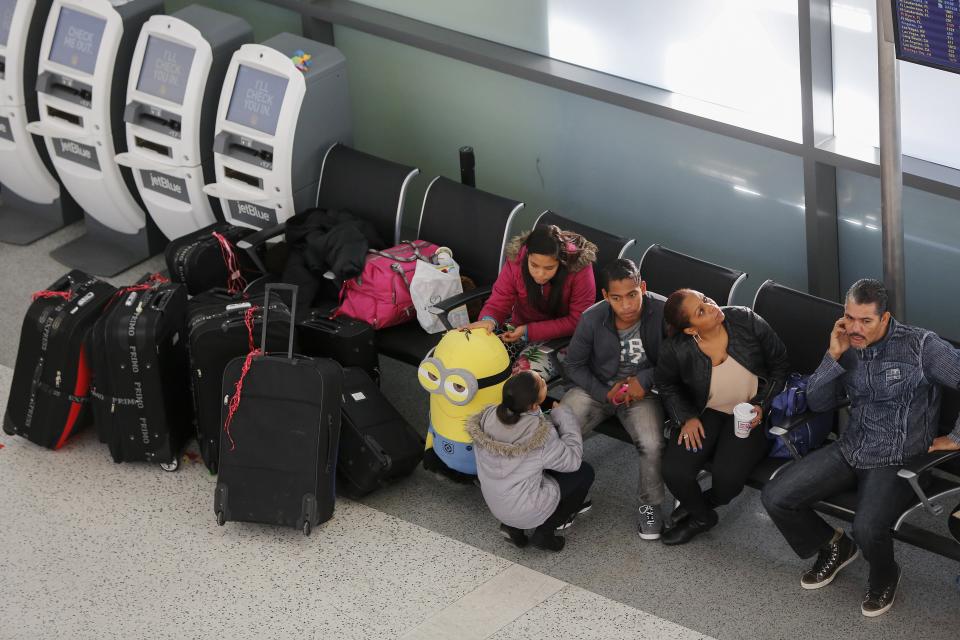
point(715, 359)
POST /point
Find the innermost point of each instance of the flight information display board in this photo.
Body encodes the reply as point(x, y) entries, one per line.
point(928, 32)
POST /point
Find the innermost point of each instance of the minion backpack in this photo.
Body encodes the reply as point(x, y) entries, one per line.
point(464, 373)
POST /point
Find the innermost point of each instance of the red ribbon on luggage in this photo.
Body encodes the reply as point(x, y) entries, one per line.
point(238, 387)
point(235, 280)
point(152, 281)
point(51, 294)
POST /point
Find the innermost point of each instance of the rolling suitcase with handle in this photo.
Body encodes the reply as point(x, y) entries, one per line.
point(376, 444)
point(141, 372)
point(278, 453)
point(49, 395)
point(220, 328)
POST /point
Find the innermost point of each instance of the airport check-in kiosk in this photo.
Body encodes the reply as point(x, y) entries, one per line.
point(284, 102)
point(81, 85)
point(178, 68)
point(34, 202)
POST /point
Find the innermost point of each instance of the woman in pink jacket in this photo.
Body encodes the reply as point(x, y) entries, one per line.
point(545, 285)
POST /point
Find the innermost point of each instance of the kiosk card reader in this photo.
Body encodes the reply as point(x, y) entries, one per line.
point(284, 102)
point(178, 69)
point(34, 202)
point(81, 85)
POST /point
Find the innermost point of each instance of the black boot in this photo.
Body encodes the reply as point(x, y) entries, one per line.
point(514, 535)
point(547, 540)
point(689, 528)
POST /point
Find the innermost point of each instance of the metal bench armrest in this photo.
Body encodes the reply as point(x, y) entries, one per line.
point(444, 307)
point(913, 468)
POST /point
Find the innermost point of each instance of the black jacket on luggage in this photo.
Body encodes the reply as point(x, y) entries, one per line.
point(319, 241)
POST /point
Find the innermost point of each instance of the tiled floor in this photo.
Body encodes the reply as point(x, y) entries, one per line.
point(96, 550)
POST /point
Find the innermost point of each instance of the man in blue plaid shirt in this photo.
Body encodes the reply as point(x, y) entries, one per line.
point(892, 378)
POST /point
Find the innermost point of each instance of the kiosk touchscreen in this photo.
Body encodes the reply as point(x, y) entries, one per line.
point(81, 85)
point(178, 69)
point(34, 202)
point(284, 102)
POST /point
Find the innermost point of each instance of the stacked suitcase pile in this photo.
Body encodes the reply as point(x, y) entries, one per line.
point(286, 407)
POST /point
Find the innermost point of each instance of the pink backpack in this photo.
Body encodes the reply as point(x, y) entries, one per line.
point(380, 295)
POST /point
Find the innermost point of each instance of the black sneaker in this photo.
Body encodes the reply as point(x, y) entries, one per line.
point(833, 557)
point(547, 541)
point(689, 528)
point(584, 508)
point(517, 536)
point(879, 600)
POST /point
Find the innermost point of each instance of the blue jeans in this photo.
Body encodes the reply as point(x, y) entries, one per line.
point(881, 498)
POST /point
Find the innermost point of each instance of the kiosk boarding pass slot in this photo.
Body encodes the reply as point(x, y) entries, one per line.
point(174, 83)
point(283, 103)
point(34, 202)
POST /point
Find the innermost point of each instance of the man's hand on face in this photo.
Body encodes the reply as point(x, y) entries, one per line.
point(943, 443)
point(839, 341)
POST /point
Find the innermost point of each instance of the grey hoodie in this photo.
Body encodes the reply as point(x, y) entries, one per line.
point(512, 458)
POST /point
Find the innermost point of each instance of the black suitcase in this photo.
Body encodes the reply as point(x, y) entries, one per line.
point(348, 341)
point(278, 454)
point(99, 355)
point(376, 443)
point(49, 395)
point(198, 260)
point(141, 374)
point(217, 334)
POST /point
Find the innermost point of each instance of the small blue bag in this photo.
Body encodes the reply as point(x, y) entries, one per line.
point(790, 402)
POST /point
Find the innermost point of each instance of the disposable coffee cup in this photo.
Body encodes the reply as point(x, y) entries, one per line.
point(743, 415)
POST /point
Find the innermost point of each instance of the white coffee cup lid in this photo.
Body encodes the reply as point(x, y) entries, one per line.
point(744, 410)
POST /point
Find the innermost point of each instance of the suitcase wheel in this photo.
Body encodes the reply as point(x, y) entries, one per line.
point(222, 519)
point(171, 466)
point(307, 527)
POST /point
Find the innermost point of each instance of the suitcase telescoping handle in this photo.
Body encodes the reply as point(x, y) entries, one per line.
point(292, 288)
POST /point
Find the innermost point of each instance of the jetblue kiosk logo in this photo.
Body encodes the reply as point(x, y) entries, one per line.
point(167, 185)
point(5, 132)
point(252, 214)
point(79, 153)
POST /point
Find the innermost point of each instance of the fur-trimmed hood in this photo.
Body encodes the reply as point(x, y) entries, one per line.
point(507, 440)
point(580, 251)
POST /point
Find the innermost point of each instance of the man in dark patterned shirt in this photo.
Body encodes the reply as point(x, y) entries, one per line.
point(892, 379)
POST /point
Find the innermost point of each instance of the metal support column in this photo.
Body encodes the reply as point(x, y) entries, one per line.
point(819, 179)
point(891, 174)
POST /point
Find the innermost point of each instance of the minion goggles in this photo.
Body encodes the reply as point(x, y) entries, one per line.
point(458, 386)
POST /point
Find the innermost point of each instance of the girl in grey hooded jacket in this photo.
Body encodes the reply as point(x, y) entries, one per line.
point(530, 465)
